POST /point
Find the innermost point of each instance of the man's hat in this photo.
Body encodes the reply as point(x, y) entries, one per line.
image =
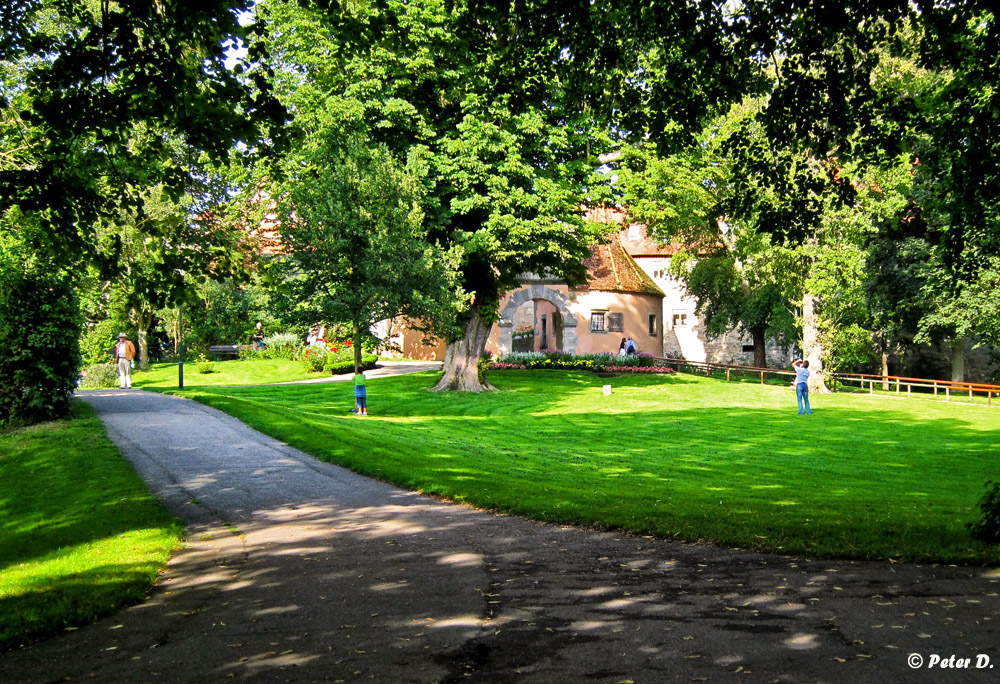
point(120, 335)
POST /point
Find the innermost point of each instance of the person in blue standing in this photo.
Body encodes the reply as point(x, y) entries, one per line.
point(801, 369)
point(360, 395)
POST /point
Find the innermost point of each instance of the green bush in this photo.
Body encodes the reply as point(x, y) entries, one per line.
point(204, 366)
point(40, 326)
point(99, 376)
point(97, 344)
point(368, 362)
point(987, 528)
point(278, 346)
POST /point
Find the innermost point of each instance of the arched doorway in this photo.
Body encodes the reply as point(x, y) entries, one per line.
point(546, 313)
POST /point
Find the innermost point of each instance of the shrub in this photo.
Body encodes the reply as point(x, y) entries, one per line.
point(368, 362)
point(204, 366)
point(280, 346)
point(987, 528)
point(555, 359)
point(97, 344)
point(40, 326)
point(99, 376)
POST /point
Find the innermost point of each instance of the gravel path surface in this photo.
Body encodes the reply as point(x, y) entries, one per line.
point(299, 571)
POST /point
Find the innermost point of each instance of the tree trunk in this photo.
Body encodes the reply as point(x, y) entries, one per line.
point(885, 371)
point(356, 341)
point(958, 361)
point(461, 357)
point(143, 321)
point(759, 346)
point(812, 350)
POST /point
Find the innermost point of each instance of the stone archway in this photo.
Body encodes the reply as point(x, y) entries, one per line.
point(530, 293)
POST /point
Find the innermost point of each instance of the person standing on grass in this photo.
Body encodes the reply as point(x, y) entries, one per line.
point(360, 395)
point(621, 347)
point(801, 369)
point(124, 354)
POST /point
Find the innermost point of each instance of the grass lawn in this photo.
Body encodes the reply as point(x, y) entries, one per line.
point(247, 372)
point(79, 534)
point(691, 457)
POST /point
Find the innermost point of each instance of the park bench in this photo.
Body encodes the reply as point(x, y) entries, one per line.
point(227, 351)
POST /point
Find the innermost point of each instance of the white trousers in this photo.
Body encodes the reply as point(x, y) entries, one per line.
point(124, 373)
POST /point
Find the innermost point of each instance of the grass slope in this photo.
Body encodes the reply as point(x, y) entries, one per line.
point(237, 372)
point(684, 456)
point(79, 534)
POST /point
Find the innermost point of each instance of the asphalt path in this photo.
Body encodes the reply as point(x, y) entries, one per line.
point(298, 571)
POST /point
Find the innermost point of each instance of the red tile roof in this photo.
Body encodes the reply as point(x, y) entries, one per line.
point(611, 269)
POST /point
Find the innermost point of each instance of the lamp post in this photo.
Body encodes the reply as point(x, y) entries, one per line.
point(180, 346)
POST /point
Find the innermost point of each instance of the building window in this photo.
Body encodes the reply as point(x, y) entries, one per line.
point(680, 319)
point(616, 322)
point(596, 321)
point(652, 324)
point(747, 348)
point(634, 231)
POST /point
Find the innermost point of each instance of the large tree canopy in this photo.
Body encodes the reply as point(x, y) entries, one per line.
point(95, 95)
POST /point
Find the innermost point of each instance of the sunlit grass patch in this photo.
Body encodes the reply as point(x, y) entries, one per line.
point(79, 533)
point(681, 456)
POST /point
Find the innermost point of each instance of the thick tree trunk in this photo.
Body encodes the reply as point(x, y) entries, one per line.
point(759, 346)
point(885, 371)
point(812, 350)
point(461, 357)
point(958, 362)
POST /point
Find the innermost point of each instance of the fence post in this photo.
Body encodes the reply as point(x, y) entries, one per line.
point(727, 375)
point(909, 388)
point(897, 385)
point(762, 377)
point(947, 393)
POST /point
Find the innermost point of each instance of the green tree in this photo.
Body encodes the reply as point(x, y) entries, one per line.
point(739, 279)
point(504, 170)
point(40, 326)
point(95, 97)
point(352, 223)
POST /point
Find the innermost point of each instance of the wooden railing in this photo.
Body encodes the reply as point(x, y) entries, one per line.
point(907, 385)
point(883, 382)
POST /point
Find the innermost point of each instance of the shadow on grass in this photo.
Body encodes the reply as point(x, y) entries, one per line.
point(45, 609)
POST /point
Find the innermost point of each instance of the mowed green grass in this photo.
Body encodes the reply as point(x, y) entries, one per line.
point(80, 536)
point(245, 372)
point(679, 456)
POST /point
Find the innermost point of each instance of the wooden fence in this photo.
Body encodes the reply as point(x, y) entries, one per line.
point(886, 383)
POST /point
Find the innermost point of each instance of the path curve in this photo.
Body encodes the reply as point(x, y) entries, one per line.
point(299, 571)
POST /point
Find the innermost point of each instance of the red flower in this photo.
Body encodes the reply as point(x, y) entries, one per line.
point(348, 343)
point(333, 349)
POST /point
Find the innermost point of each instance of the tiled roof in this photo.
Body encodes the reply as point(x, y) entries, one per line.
point(611, 269)
point(639, 246)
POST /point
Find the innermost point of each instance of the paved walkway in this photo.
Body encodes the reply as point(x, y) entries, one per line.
point(298, 571)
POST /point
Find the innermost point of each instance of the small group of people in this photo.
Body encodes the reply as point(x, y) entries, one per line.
point(627, 347)
point(316, 335)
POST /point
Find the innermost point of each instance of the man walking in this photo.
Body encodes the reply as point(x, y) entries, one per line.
point(124, 354)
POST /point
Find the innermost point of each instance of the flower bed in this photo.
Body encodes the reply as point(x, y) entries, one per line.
point(600, 363)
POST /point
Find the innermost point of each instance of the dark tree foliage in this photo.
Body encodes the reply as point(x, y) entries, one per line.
point(96, 94)
point(40, 326)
